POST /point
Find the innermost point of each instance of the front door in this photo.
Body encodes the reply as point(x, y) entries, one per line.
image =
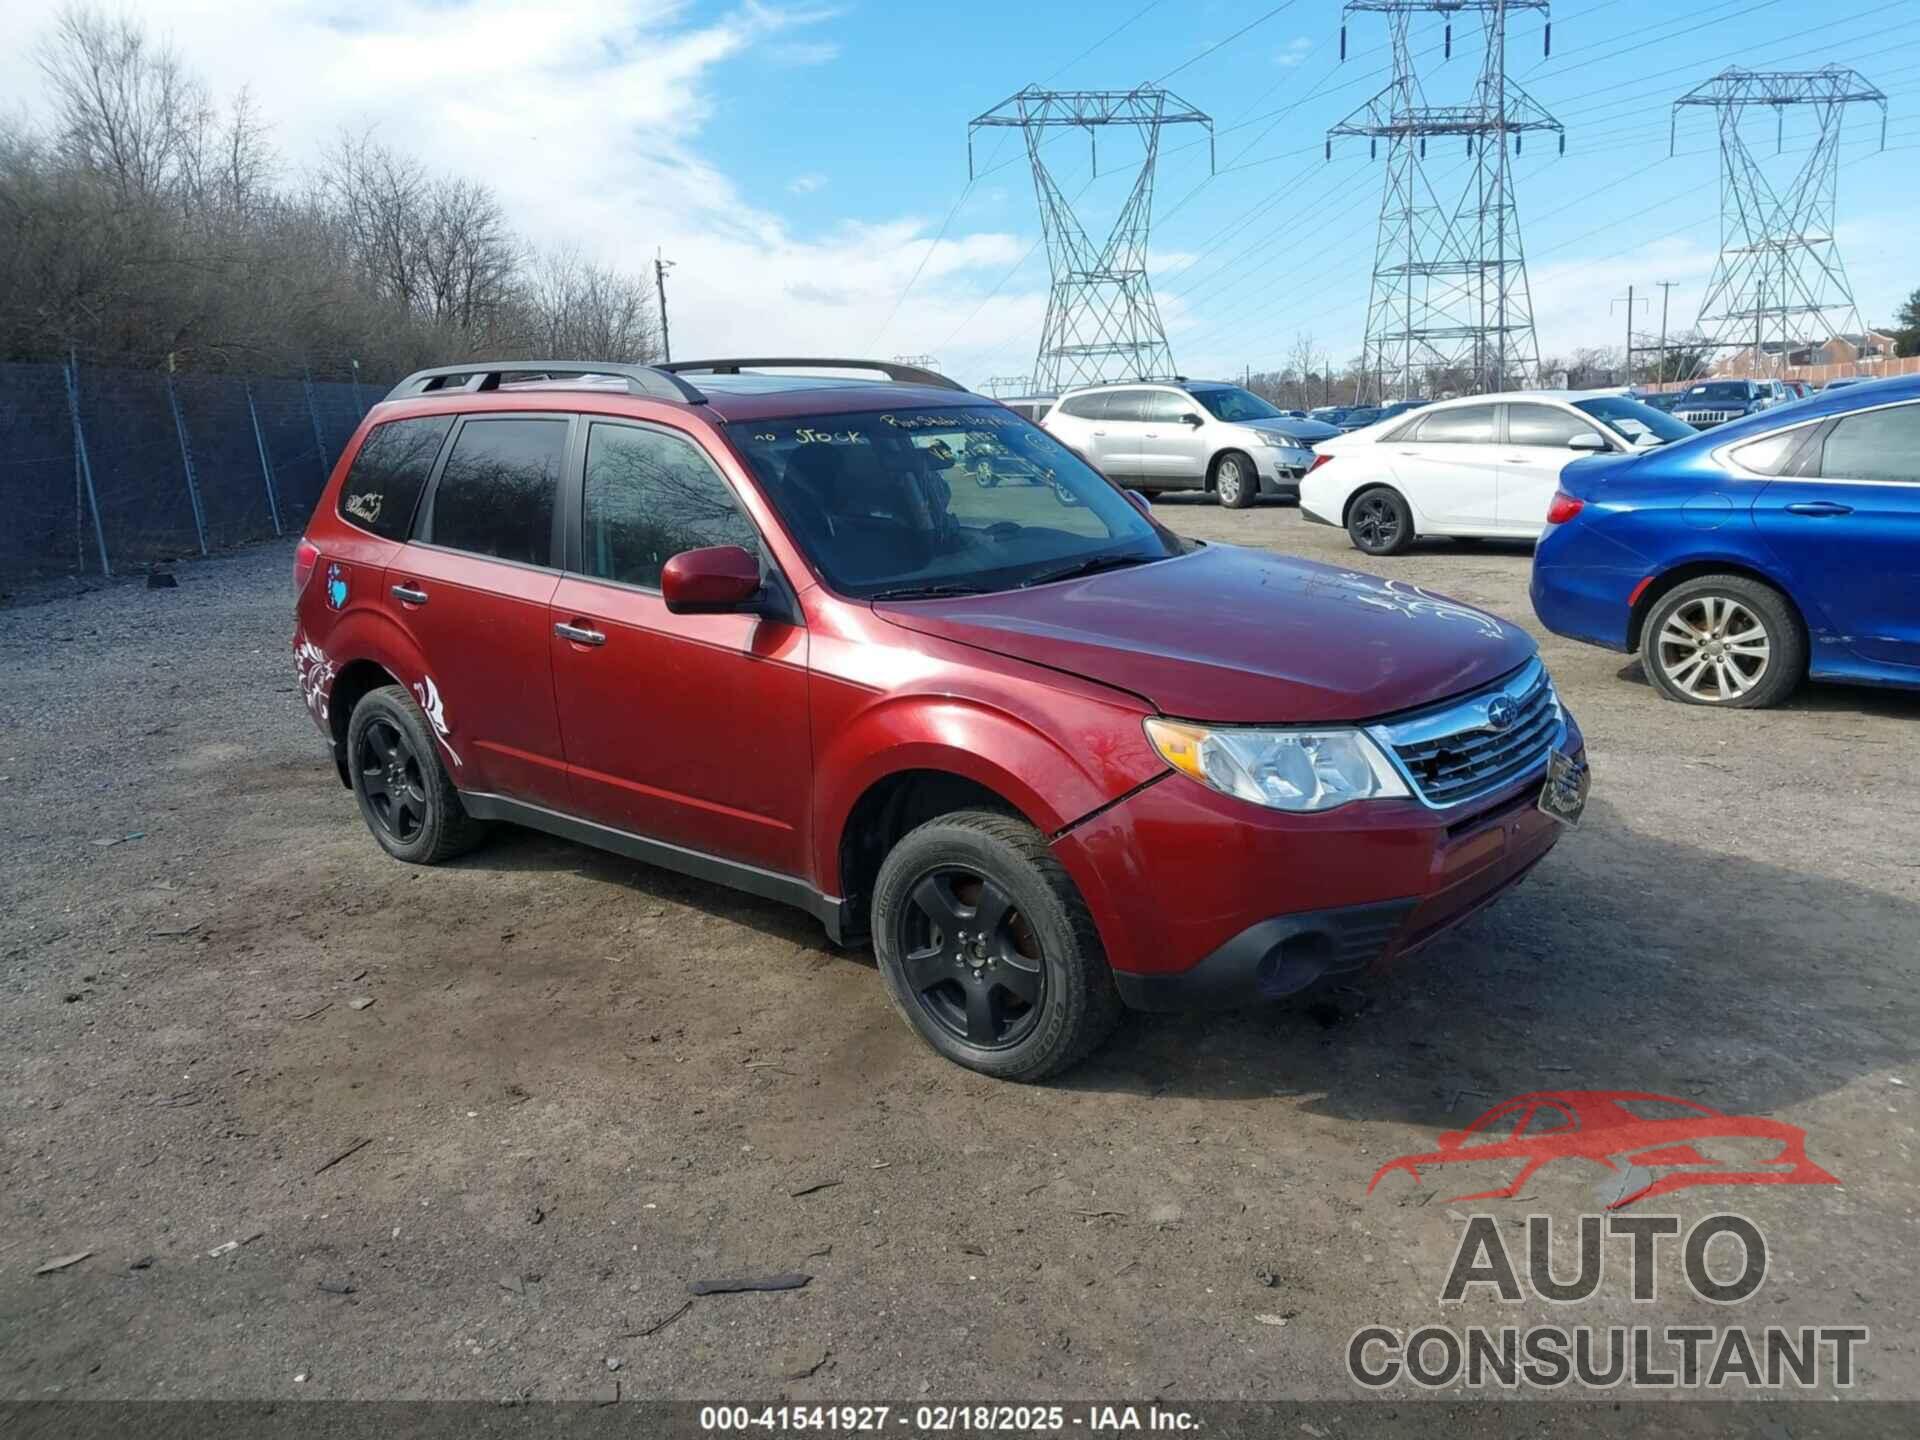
point(1173, 454)
point(471, 591)
point(690, 729)
point(1448, 466)
point(1847, 528)
point(1531, 461)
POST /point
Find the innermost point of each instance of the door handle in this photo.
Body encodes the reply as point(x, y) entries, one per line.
point(1820, 507)
point(410, 594)
point(1100, 432)
point(580, 634)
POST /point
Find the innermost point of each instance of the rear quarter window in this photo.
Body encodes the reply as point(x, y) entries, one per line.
point(384, 482)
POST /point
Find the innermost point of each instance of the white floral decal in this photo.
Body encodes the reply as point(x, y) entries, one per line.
point(316, 676)
point(428, 694)
point(1410, 600)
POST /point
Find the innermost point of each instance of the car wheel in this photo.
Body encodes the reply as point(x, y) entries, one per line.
point(1724, 640)
point(1380, 522)
point(405, 795)
point(1235, 481)
point(988, 950)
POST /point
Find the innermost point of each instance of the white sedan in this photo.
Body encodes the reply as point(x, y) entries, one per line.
point(1482, 465)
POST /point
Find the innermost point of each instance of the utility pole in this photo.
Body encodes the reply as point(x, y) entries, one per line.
point(1629, 303)
point(660, 268)
point(1666, 296)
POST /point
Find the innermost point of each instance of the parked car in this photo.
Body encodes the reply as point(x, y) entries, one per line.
point(1187, 435)
point(1738, 562)
point(1330, 414)
point(1842, 383)
point(1715, 402)
point(1047, 757)
point(1662, 400)
point(1482, 465)
point(1030, 407)
point(1397, 408)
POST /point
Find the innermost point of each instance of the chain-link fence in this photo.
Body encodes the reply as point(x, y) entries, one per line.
point(108, 470)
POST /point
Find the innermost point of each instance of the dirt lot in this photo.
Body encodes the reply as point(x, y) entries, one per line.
point(582, 1083)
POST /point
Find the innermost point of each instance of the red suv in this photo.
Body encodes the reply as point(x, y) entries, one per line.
point(882, 649)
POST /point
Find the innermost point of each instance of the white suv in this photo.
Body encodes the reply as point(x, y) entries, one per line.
point(1188, 435)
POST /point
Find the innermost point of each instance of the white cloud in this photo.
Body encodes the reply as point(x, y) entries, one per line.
point(1294, 51)
point(803, 52)
point(806, 184)
point(586, 117)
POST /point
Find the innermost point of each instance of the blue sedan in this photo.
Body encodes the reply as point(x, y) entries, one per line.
point(1741, 560)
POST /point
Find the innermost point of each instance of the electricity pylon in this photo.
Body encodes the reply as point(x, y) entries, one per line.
point(1449, 274)
point(1102, 323)
point(1778, 285)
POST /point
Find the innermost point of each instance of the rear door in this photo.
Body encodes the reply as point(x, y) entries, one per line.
point(1531, 461)
point(1120, 432)
point(1448, 466)
point(1173, 453)
point(471, 590)
point(690, 729)
point(1845, 523)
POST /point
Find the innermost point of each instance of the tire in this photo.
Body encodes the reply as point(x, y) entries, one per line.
point(1380, 522)
point(405, 795)
point(1235, 480)
point(988, 1001)
point(1725, 641)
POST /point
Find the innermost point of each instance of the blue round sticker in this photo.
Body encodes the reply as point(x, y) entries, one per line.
point(336, 587)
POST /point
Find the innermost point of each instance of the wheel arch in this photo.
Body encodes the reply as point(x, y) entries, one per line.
point(1213, 464)
point(887, 810)
point(1667, 581)
point(914, 757)
point(1375, 483)
point(355, 679)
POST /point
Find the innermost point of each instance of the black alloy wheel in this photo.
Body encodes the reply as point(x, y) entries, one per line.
point(972, 961)
point(392, 780)
point(1380, 523)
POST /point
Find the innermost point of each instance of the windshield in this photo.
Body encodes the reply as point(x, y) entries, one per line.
point(1640, 424)
point(941, 501)
point(1230, 402)
point(1735, 390)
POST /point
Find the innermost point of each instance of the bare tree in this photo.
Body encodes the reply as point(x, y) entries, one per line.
point(125, 107)
point(582, 309)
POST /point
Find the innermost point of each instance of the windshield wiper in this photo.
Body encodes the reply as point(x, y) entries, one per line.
point(1092, 565)
point(927, 592)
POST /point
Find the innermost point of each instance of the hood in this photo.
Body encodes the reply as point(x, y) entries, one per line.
point(1308, 430)
point(1247, 636)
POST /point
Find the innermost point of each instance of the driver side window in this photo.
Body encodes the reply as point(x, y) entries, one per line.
point(1544, 425)
point(1166, 407)
point(648, 496)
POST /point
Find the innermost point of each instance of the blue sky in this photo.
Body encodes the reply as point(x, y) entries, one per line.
point(798, 162)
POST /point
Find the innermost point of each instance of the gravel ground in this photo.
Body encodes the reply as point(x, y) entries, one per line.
point(581, 1083)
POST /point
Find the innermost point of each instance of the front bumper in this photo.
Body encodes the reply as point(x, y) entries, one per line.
point(1202, 900)
point(1280, 470)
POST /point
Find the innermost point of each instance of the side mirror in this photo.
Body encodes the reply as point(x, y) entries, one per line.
point(1586, 440)
point(1192, 419)
point(711, 581)
point(1144, 505)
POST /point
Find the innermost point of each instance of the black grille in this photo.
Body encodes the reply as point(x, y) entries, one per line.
point(1454, 767)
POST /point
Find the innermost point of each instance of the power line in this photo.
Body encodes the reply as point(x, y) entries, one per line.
point(1250, 25)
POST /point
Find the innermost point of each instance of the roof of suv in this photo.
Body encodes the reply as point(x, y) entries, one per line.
point(727, 389)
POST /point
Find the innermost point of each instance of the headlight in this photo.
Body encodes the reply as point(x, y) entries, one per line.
point(1299, 770)
point(1279, 442)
